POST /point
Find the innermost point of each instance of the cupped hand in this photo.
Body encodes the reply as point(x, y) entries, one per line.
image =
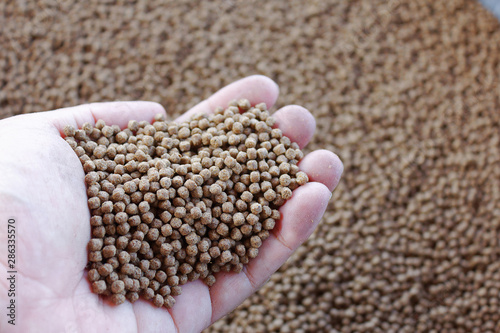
point(42, 189)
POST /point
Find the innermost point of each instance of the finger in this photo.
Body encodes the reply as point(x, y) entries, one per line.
point(255, 88)
point(299, 217)
point(152, 319)
point(113, 113)
point(296, 123)
point(189, 318)
point(323, 166)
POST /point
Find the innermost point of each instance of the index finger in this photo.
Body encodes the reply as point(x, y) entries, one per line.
point(255, 88)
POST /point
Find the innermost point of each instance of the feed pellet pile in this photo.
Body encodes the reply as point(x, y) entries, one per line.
point(406, 92)
point(175, 202)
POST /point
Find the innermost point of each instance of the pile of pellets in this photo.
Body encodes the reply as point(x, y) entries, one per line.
point(176, 202)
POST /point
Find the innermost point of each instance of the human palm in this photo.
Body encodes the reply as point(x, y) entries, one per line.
point(42, 188)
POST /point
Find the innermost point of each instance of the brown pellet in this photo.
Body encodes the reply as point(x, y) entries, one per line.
point(109, 251)
point(117, 287)
point(99, 287)
point(158, 300)
point(95, 244)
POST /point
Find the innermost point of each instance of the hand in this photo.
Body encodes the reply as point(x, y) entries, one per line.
point(42, 188)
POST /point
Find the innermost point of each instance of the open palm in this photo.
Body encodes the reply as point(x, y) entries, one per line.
point(42, 188)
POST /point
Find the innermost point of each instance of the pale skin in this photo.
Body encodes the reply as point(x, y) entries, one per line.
point(42, 187)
